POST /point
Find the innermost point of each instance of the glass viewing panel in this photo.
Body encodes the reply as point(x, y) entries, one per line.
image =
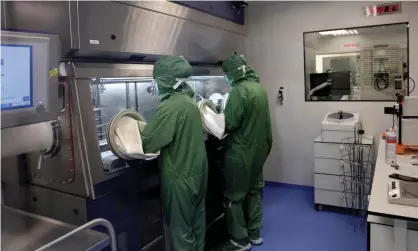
point(363, 63)
point(113, 95)
point(210, 87)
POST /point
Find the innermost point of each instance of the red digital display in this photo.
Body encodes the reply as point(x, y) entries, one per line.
point(382, 9)
point(351, 45)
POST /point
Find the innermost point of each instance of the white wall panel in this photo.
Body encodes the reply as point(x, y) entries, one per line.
point(274, 47)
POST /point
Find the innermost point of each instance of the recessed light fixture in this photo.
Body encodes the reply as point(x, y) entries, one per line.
point(338, 32)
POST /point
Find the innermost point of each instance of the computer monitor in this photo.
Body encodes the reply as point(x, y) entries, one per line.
point(16, 76)
point(340, 83)
point(27, 92)
point(318, 79)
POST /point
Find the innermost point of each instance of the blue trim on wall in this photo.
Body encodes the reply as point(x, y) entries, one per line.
point(286, 185)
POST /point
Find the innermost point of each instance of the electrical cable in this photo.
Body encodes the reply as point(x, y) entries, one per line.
point(319, 87)
point(393, 120)
point(381, 78)
point(413, 81)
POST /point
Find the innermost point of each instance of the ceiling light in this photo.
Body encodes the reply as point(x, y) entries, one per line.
point(338, 32)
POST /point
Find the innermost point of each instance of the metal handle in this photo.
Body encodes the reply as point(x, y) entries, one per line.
point(55, 126)
point(65, 92)
point(39, 161)
point(88, 225)
point(51, 152)
point(63, 81)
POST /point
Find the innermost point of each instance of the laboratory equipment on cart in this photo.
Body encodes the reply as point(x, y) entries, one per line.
point(337, 126)
point(343, 163)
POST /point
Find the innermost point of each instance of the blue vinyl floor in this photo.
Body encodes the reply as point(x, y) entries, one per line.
point(292, 224)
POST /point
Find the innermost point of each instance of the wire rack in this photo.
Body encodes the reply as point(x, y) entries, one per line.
point(96, 89)
point(357, 165)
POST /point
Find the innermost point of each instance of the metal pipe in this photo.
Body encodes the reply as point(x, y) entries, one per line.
point(136, 96)
point(88, 225)
point(128, 96)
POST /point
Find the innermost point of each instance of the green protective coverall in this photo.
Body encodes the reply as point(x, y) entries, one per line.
point(248, 144)
point(177, 131)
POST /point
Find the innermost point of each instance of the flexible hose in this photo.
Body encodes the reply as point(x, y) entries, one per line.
point(413, 81)
point(379, 79)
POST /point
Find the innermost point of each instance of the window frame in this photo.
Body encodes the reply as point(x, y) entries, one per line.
point(350, 28)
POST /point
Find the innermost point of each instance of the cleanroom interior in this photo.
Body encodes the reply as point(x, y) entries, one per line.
point(336, 74)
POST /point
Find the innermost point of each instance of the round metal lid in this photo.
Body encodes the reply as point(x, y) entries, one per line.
point(341, 115)
point(198, 98)
point(201, 105)
point(111, 132)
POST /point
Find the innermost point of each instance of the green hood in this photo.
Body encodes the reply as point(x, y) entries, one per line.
point(237, 71)
point(166, 73)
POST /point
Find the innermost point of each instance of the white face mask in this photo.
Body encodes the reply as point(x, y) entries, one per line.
point(179, 82)
point(243, 69)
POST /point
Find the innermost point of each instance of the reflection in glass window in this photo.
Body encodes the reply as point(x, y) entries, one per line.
point(364, 63)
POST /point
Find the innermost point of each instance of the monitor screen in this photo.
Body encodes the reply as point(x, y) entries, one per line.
point(16, 76)
point(341, 83)
point(318, 79)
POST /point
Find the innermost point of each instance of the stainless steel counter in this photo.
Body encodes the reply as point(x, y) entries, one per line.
point(21, 231)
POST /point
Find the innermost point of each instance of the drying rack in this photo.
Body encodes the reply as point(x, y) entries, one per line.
point(358, 166)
